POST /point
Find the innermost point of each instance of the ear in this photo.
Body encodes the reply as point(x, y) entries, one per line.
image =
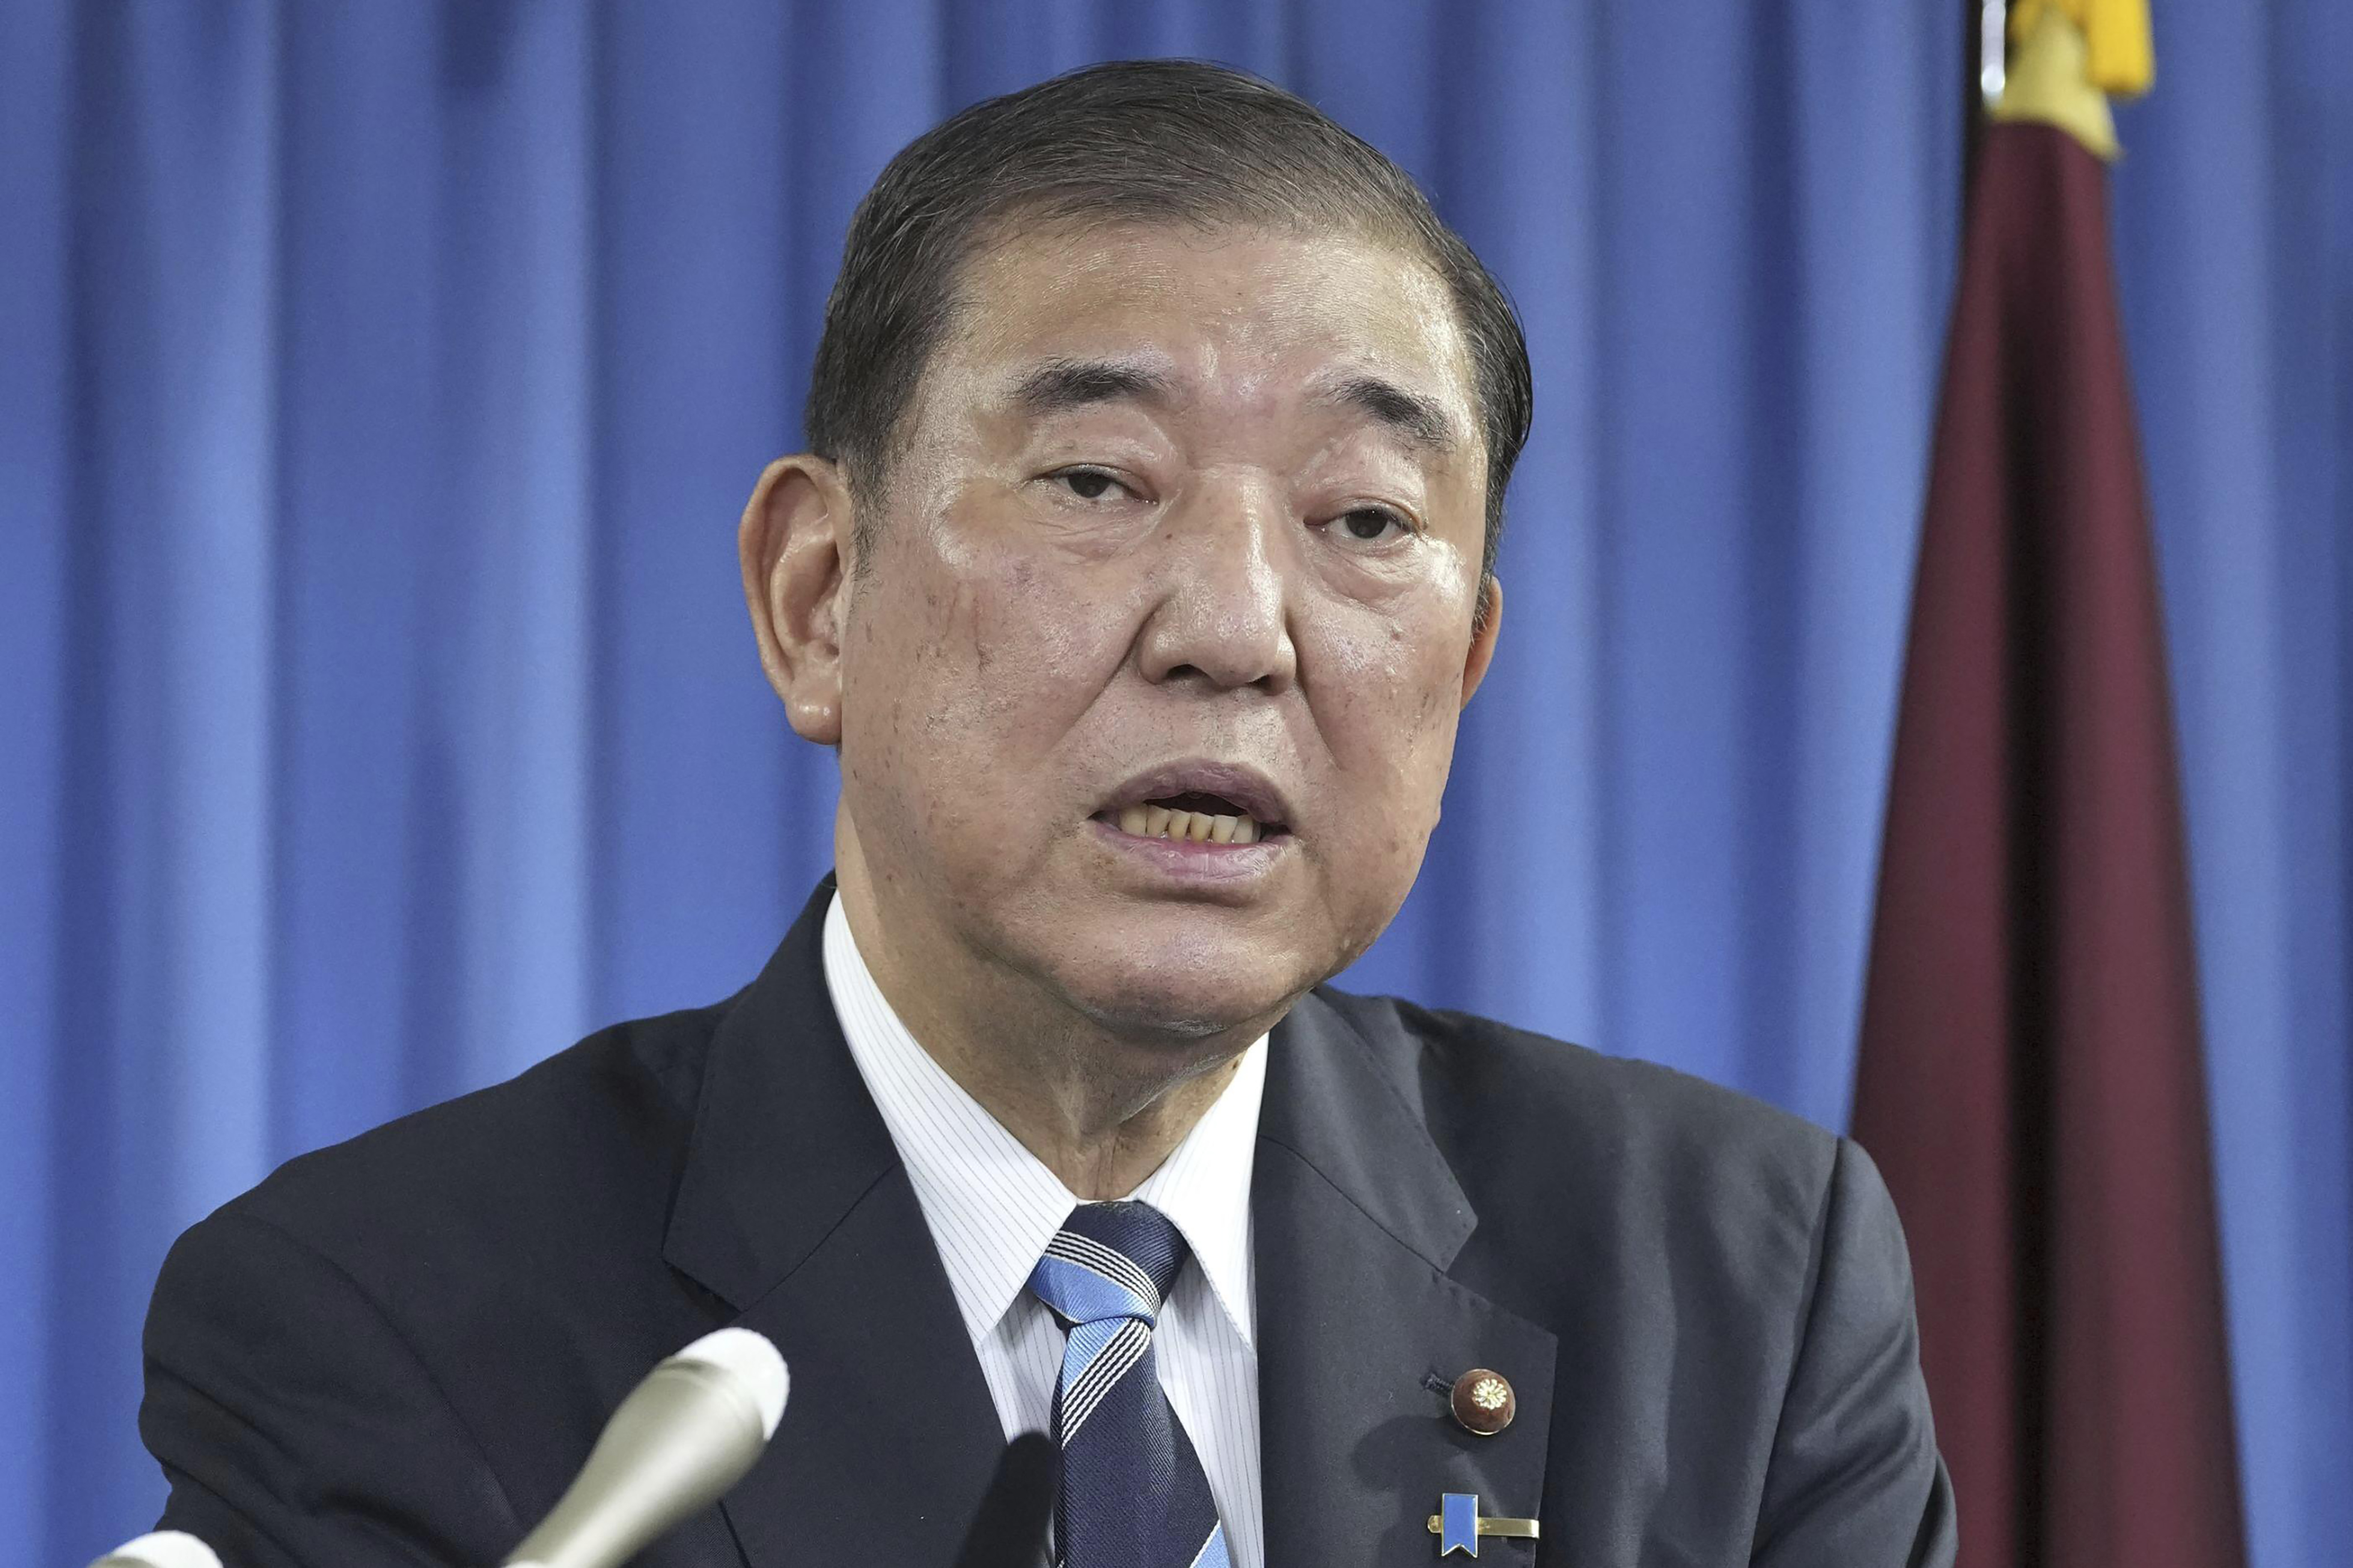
point(794, 544)
point(1484, 625)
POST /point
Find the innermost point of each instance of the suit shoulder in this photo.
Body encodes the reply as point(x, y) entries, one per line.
point(575, 1135)
point(1483, 1086)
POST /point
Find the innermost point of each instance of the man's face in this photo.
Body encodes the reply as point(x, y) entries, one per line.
point(1186, 525)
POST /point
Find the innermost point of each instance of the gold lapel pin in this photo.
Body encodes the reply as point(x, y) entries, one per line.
point(1458, 1526)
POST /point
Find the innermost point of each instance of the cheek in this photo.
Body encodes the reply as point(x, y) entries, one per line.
point(1055, 628)
point(1392, 732)
point(1397, 686)
point(1008, 650)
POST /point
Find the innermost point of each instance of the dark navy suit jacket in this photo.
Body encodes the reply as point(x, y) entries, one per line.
point(399, 1349)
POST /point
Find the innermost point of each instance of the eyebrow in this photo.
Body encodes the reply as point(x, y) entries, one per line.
point(1065, 383)
point(1420, 420)
point(1061, 384)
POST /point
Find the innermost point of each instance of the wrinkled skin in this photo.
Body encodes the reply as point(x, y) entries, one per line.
point(1238, 565)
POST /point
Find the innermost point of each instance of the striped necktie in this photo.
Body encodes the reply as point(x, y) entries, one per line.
point(1133, 1494)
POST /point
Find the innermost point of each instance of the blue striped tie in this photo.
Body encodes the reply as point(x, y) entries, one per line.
point(1133, 1495)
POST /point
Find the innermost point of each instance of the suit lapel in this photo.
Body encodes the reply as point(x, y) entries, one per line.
point(1356, 1218)
point(794, 1209)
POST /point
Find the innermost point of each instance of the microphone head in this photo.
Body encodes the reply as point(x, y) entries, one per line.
point(164, 1549)
point(686, 1434)
point(751, 1356)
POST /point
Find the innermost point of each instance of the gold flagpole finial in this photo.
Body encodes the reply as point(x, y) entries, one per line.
point(2073, 56)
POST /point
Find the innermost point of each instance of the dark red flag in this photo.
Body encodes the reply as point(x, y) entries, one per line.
point(2030, 1081)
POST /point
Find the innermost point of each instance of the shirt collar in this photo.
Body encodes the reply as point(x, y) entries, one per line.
point(991, 1205)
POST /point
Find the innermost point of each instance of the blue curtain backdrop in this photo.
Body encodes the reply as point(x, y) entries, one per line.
point(379, 386)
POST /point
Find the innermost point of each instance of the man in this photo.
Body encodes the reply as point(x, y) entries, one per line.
point(1141, 564)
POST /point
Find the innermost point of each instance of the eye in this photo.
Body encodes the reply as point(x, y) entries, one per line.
point(1087, 484)
point(1373, 524)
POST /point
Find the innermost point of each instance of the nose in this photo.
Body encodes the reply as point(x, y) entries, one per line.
point(1221, 616)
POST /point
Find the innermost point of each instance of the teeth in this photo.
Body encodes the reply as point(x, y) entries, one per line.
point(1188, 827)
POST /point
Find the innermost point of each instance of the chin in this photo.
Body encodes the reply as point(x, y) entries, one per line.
point(1183, 997)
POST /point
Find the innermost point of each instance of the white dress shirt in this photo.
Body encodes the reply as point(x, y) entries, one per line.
point(993, 1207)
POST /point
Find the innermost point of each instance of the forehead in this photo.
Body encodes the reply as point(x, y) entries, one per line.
point(1253, 313)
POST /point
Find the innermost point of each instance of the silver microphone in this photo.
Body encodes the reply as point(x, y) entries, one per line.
point(164, 1549)
point(682, 1436)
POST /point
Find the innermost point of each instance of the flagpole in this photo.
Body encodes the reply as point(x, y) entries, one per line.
point(1984, 31)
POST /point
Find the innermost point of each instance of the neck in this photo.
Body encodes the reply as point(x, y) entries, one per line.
point(1100, 1108)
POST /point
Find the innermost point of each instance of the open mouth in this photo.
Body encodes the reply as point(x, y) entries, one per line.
point(1195, 816)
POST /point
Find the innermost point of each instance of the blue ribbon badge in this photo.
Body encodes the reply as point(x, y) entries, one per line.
point(1458, 1523)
